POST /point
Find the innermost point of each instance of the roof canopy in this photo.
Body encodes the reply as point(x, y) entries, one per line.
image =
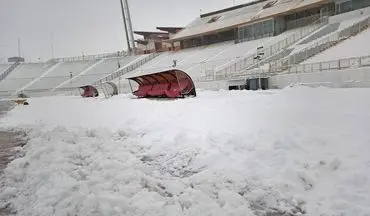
point(160, 77)
point(169, 83)
point(170, 29)
point(89, 91)
point(243, 14)
point(148, 33)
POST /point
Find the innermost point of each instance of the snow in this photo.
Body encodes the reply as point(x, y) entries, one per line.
point(223, 153)
point(353, 47)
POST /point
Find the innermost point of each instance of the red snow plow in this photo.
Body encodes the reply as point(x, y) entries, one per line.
point(166, 84)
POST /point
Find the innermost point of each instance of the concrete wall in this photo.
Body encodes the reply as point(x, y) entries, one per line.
point(214, 85)
point(359, 77)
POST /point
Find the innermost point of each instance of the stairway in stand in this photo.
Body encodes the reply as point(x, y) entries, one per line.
point(9, 70)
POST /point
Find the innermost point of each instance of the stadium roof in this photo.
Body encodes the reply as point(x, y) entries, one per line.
point(147, 33)
point(243, 14)
point(143, 42)
point(170, 29)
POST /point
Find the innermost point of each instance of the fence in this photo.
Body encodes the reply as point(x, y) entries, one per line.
point(126, 69)
point(341, 64)
point(291, 24)
point(321, 45)
point(247, 61)
point(91, 57)
point(10, 69)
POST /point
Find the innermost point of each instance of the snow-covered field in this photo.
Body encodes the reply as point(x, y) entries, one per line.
point(297, 151)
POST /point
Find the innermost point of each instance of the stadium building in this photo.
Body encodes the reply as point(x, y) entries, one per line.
point(261, 44)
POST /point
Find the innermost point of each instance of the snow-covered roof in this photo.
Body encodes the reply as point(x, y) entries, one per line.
point(244, 14)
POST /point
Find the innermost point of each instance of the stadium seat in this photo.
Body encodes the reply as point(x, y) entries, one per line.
point(177, 88)
point(159, 89)
point(143, 90)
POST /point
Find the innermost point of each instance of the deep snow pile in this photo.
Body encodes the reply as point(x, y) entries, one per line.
point(291, 152)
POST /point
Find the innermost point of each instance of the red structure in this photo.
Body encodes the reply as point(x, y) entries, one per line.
point(89, 91)
point(169, 84)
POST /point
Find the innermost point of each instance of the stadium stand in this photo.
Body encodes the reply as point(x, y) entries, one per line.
point(303, 52)
point(353, 47)
point(65, 71)
point(23, 74)
point(9, 70)
point(322, 32)
point(222, 46)
point(197, 60)
point(106, 67)
point(4, 67)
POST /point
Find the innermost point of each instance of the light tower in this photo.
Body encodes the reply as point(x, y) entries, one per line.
point(128, 26)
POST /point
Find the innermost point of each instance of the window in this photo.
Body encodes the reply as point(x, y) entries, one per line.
point(256, 30)
point(214, 19)
point(248, 32)
point(240, 34)
point(345, 6)
point(270, 4)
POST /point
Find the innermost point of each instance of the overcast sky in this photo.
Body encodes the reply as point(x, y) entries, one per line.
point(89, 26)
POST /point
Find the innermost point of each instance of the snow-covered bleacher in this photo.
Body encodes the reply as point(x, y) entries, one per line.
point(332, 27)
point(199, 60)
point(4, 67)
point(22, 75)
point(356, 46)
point(353, 47)
point(60, 74)
point(273, 48)
point(314, 36)
point(42, 78)
point(303, 52)
point(102, 69)
point(196, 60)
point(185, 59)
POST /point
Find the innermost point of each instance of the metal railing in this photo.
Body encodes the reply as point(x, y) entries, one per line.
point(9, 70)
point(292, 61)
point(321, 45)
point(91, 57)
point(248, 60)
point(127, 69)
point(292, 24)
point(317, 67)
point(340, 64)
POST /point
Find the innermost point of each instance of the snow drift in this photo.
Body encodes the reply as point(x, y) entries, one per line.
point(291, 152)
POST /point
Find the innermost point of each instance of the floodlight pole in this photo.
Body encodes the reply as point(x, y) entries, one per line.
point(2, 57)
point(19, 47)
point(125, 24)
point(52, 44)
point(130, 26)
